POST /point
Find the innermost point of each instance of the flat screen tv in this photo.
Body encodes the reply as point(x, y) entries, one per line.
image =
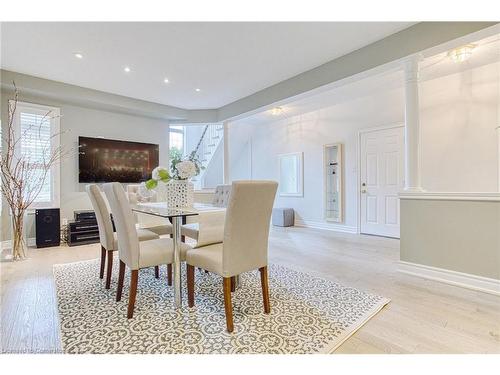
point(109, 160)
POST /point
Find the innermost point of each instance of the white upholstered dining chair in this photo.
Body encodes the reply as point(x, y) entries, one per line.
point(108, 239)
point(221, 198)
point(134, 254)
point(245, 242)
point(148, 222)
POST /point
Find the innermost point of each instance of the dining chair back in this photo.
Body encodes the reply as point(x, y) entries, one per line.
point(246, 229)
point(134, 195)
point(102, 215)
point(221, 195)
point(128, 241)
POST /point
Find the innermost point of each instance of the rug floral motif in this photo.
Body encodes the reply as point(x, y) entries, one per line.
point(308, 314)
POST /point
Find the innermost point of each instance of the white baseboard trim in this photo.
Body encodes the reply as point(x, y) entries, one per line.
point(325, 226)
point(7, 244)
point(464, 280)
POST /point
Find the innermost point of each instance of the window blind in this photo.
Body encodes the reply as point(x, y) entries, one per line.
point(35, 144)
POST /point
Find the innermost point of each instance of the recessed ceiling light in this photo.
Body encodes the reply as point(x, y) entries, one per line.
point(197, 90)
point(166, 80)
point(78, 55)
point(461, 54)
point(276, 111)
point(126, 69)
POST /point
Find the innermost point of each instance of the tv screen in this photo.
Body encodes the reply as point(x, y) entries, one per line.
point(109, 160)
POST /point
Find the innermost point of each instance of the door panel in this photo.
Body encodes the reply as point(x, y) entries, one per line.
point(381, 176)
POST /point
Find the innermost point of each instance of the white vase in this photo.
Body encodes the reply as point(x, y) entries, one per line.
point(180, 193)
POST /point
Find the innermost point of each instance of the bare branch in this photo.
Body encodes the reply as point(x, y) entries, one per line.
point(23, 175)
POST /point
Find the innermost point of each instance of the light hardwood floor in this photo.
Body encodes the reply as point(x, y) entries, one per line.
point(423, 316)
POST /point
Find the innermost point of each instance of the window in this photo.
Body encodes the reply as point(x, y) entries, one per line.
point(38, 129)
point(206, 141)
point(176, 140)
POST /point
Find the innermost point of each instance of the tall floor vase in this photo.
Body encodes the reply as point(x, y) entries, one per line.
point(18, 241)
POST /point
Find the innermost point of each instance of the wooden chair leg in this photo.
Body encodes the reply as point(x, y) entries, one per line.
point(169, 274)
point(228, 305)
point(134, 278)
point(109, 269)
point(265, 289)
point(103, 260)
point(233, 284)
point(190, 284)
point(121, 275)
point(157, 272)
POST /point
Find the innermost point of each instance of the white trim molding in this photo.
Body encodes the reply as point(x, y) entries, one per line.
point(464, 280)
point(325, 226)
point(451, 196)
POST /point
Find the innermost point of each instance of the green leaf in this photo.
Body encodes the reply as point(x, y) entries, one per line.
point(151, 184)
point(164, 176)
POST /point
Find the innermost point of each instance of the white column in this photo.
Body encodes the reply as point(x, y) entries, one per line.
point(412, 126)
point(225, 164)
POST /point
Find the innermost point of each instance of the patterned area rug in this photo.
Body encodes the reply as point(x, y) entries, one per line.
point(308, 314)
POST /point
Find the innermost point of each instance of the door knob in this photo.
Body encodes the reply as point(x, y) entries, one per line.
point(363, 191)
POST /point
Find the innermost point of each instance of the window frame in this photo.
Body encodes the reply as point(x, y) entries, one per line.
point(55, 126)
point(182, 131)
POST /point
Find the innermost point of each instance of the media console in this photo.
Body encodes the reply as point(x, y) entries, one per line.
point(84, 229)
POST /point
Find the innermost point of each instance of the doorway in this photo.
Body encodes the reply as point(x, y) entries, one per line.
point(381, 176)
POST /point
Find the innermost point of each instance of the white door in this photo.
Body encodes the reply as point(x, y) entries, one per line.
point(381, 178)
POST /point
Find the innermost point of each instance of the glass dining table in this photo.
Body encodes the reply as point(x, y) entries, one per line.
point(176, 216)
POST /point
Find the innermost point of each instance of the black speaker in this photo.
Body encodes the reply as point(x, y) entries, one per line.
point(47, 227)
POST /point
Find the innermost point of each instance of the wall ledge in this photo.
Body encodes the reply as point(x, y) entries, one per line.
point(451, 196)
point(325, 226)
point(464, 280)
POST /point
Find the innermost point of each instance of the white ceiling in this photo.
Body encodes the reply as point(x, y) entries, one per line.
point(227, 61)
point(486, 51)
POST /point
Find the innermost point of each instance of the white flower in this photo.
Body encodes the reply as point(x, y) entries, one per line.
point(158, 172)
point(186, 169)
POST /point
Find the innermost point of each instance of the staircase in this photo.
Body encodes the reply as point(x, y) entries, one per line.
point(209, 142)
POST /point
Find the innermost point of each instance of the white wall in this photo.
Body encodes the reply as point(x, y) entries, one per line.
point(192, 135)
point(254, 149)
point(76, 121)
point(459, 116)
point(459, 142)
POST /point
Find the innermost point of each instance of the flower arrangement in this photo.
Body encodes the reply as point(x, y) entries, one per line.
point(181, 169)
point(184, 169)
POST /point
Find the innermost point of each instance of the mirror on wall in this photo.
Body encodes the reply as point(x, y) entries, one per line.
point(333, 169)
point(291, 175)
